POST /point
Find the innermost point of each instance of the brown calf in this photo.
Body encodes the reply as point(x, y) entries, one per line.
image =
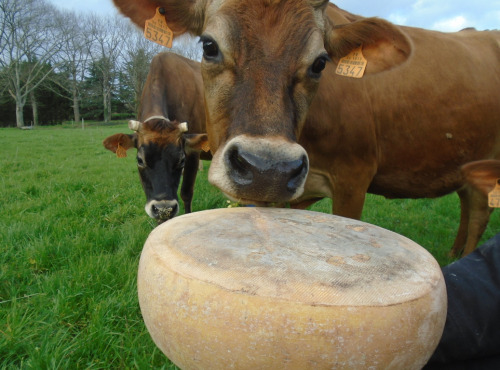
point(166, 149)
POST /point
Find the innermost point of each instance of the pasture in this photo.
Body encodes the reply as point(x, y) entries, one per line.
point(72, 227)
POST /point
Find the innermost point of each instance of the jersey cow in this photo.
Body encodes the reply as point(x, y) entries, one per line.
point(173, 92)
point(284, 127)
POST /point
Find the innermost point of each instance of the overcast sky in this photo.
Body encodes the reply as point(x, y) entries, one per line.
point(442, 15)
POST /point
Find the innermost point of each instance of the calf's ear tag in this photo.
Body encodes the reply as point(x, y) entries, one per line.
point(157, 30)
point(494, 196)
point(352, 65)
point(121, 152)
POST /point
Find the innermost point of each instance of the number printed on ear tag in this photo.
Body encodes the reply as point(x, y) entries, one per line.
point(352, 65)
point(156, 30)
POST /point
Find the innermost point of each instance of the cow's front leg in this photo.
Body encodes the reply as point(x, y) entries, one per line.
point(349, 194)
point(348, 202)
point(188, 179)
point(475, 215)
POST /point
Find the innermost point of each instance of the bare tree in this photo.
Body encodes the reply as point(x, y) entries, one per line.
point(105, 40)
point(136, 58)
point(72, 58)
point(137, 55)
point(38, 43)
point(29, 38)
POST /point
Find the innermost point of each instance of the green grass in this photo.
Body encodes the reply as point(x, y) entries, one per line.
point(72, 227)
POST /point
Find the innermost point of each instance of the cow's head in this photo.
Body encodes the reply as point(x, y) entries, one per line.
point(262, 63)
point(161, 149)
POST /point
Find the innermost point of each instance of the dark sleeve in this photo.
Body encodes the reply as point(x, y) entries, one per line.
point(471, 336)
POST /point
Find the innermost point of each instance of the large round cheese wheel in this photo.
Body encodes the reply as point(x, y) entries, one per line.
point(262, 288)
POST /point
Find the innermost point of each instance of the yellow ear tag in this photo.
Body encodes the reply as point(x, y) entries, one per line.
point(352, 65)
point(494, 196)
point(121, 152)
point(156, 30)
point(205, 146)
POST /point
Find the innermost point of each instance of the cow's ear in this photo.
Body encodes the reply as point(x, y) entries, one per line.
point(196, 142)
point(181, 15)
point(338, 16)
point(482, 175)
point(120, 143)
point(384, 45)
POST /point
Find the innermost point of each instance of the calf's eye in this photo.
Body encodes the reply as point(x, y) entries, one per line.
point(140, 162)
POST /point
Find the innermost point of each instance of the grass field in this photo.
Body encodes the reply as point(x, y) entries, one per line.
point(72, 227)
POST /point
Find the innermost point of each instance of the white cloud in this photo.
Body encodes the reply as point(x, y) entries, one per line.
point(420, 4)
point(397, 18)
point(430, 9)
point(451, 24)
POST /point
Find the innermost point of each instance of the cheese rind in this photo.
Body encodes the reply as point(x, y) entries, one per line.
point(274, 288)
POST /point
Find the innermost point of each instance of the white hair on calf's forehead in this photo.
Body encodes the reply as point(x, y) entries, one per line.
point(183, 126)
point(157, 117)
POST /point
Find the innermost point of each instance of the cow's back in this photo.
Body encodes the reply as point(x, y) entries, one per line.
point(174, 88)
point(413, 126)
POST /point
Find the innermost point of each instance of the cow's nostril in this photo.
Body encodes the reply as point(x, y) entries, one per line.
point(240, 165)
point(298, 170)
point(264, 170)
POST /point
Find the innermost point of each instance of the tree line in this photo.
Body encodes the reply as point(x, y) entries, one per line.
point(60, 66)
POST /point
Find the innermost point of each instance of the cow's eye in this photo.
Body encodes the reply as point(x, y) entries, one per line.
point(181, 163)
point(210, 48)
point(319, 65)
point(140, 162)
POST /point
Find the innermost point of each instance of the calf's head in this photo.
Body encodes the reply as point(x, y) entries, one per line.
point(262, 63)
point(161, 150)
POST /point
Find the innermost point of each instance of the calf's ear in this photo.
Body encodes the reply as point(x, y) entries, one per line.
point(181, 15)
point(196, 142)
point(384, 45)
point(482, 175)
point(120, 143)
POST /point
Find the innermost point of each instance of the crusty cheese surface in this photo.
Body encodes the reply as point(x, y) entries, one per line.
point(281, 288)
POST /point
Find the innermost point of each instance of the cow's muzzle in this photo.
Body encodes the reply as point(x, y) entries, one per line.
point(260, 170)
point(162, 210)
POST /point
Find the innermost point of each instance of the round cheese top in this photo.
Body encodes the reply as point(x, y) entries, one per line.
point(300, 256)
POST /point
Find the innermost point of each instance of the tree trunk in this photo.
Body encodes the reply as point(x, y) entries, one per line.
point(109, 107)
point(105, 105)
point(19, 114)
point(76, 107)
point(34, 107)
point(105, 99)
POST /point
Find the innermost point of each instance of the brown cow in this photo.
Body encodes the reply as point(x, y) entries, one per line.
point(173, 92)
point(427, 104)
